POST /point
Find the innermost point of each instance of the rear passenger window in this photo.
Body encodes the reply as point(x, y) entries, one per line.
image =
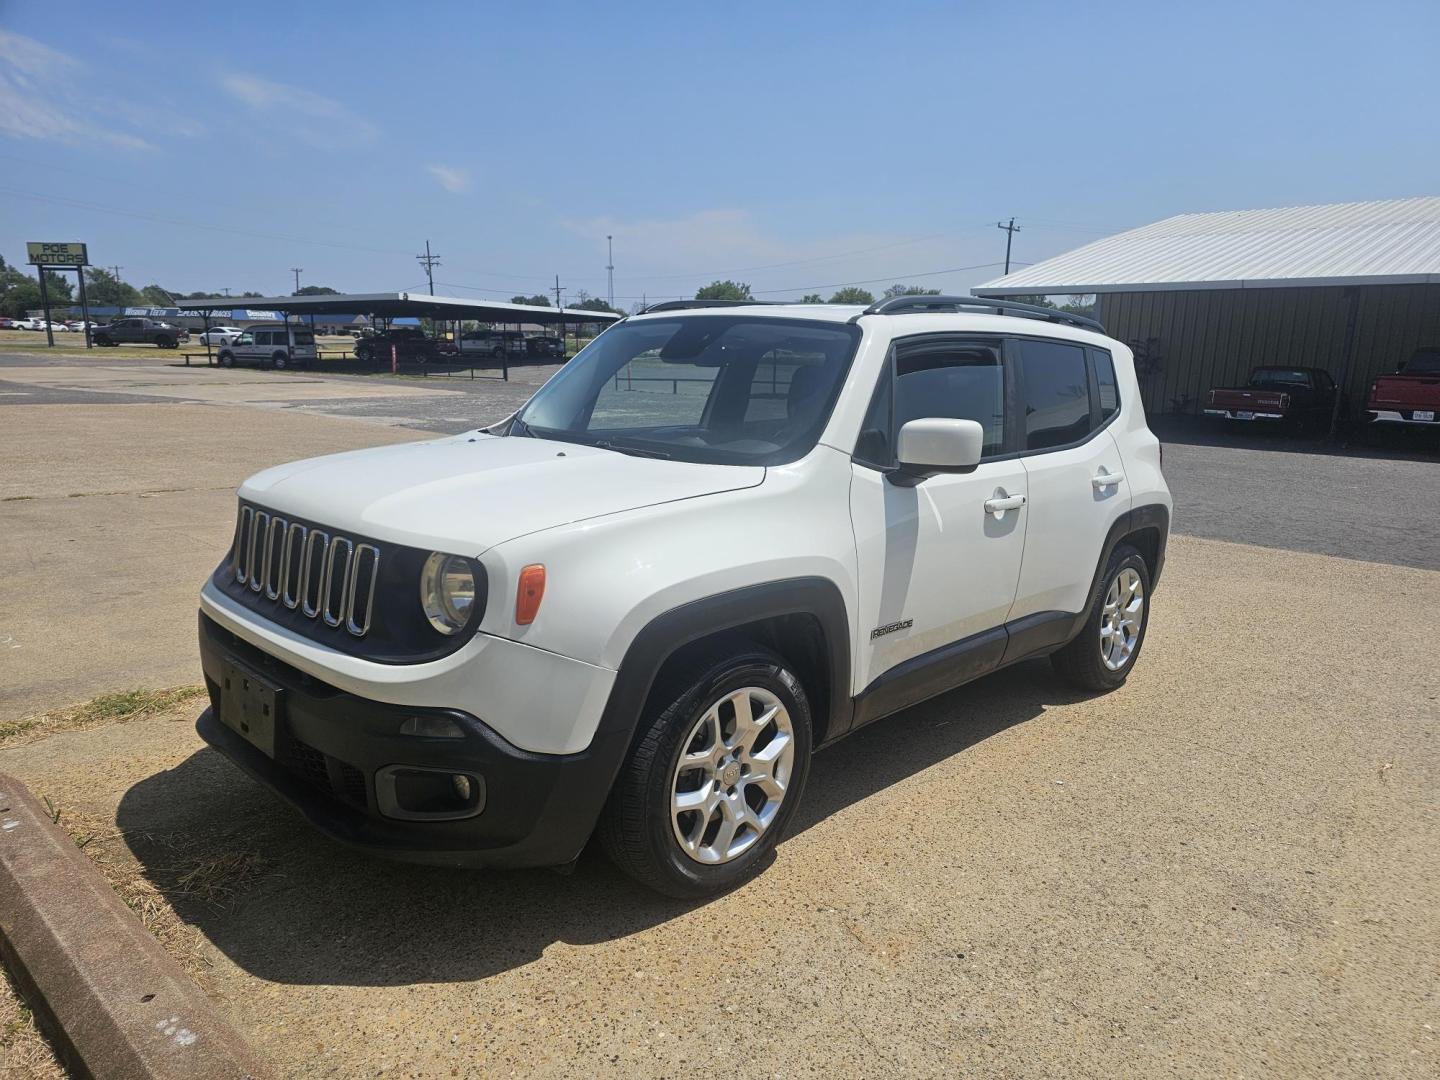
point(1105, 383)
point(262, 337)
point(1054, 393)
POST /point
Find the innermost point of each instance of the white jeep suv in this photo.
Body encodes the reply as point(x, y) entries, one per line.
point(722, 537)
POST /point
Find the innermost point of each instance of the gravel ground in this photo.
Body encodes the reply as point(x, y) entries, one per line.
point(1226, 868)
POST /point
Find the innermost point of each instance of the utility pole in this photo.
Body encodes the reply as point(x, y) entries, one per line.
point(297, 271)
point(226, 291)
point(1010, 231)
point(429, 262)
point(115, 270)
point(557, 292)
point(610, 267)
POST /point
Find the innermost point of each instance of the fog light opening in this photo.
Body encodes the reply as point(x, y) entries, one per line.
point(419, 793)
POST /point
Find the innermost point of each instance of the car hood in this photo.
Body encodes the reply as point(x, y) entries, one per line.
point(470, 492)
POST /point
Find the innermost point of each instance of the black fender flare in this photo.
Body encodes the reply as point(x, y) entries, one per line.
point(1148, 516)
point(671, 631)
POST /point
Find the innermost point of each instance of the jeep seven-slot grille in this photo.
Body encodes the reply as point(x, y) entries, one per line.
point(321, 574)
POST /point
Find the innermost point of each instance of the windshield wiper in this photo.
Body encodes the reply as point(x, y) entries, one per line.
point(625, 448)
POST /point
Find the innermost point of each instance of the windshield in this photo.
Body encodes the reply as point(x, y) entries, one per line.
point(706, 388)
point(1424, 363)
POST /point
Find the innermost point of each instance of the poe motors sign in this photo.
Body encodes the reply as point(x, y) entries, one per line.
point(48, 257)
point(42, 254)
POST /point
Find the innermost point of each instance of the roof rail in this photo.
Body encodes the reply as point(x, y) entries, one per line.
point(679, 305)
point(905, 305)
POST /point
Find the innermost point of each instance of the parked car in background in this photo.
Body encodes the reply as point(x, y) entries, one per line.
point(1411, 395)
point(1298, 397)
point(410, 344)
point(80, 326)
point(220, 335)
point(36, 324)
point(270, 346)
point(6, 323)
point(140, 332)
point(543, 345)
point(495, 343)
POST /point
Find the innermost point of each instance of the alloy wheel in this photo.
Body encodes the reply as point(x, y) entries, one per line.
point(734, 769)
point(1121, 618)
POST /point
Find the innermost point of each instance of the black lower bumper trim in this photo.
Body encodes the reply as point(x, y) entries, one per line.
point(540, 809)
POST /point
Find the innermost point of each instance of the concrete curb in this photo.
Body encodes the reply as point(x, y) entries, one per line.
point(113, 1001)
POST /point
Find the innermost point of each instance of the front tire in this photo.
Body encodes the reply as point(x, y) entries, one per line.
point(227, 359)
point(715, 776)
point(1102, 655)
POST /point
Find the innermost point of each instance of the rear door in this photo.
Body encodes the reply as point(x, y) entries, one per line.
point(1077, 488)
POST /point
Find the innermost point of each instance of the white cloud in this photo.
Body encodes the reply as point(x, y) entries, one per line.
point(456, 181)
point(298, 109)
point(38, 99)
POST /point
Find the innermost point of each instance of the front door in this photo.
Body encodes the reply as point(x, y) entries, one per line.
point(938, 568)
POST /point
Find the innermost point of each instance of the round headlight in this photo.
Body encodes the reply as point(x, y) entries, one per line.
point(447, 592)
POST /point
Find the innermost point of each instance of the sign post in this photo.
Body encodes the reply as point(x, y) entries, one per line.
point(63, 256)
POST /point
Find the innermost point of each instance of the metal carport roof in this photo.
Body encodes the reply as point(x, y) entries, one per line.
point(398, 305)
point(1387, 242)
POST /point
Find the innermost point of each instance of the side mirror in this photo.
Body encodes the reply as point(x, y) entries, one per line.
point(937, 445)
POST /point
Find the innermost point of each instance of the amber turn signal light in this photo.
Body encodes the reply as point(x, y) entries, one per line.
point(530, 593)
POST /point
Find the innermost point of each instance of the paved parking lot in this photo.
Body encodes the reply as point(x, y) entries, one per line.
point(1226, 868)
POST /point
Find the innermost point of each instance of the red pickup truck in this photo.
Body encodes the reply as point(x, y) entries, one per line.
point(1411, 395)
point(1297, 396)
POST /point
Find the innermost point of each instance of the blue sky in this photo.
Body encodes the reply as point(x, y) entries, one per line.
point(793, 146)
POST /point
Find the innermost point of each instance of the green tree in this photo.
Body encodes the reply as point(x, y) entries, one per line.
point(1036, 299)
point(538, 300)
point(724, 290)
point(248, 294)
point(852, 295)
point(19, 292)
point(103, 288)
point(316, 290)
point(812, 298)
point(908, 290)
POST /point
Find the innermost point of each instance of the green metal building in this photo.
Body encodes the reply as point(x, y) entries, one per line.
point(1203, 298)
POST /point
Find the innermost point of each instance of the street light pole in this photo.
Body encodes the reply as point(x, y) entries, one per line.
point(610, 267)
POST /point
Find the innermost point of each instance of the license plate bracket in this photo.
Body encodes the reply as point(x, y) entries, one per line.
point(250, 706)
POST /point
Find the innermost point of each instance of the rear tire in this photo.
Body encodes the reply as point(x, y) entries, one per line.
point(279, 361)
point(1102, 655)
point(749, 776)
point(227, 359)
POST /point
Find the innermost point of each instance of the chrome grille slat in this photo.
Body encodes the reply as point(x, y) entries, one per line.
point(338, 616)
point(326, 576)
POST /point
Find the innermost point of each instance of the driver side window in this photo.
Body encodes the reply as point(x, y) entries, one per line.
point(960, 378)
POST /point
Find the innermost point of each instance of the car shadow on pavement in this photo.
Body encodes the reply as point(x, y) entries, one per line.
point(321, 913)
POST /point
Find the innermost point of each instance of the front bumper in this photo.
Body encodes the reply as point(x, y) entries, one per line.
point(538, 809)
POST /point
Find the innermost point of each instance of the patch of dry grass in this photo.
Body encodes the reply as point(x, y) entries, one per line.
point(24, 1051)
point(120, 707)
point(212, 876)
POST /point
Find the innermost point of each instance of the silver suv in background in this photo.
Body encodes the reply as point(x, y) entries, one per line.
point(270, 346)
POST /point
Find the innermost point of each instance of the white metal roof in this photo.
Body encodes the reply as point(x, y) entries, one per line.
point(1391, 241)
